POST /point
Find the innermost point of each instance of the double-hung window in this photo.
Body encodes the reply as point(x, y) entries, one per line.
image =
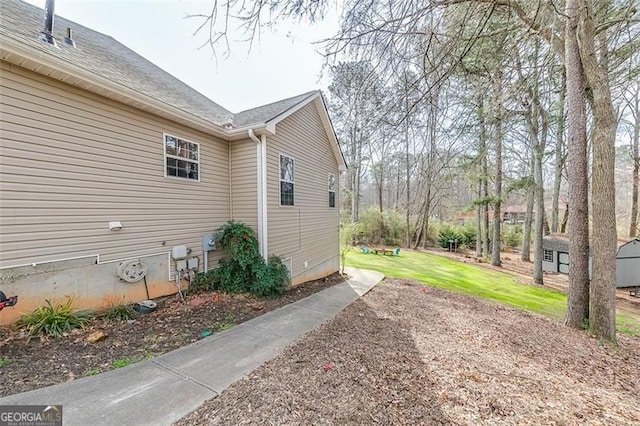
point(547, 255)
point(286, 181)
point(181, 158)
point(332, 190)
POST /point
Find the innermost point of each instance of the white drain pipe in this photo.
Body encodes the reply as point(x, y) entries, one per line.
point(261, 164)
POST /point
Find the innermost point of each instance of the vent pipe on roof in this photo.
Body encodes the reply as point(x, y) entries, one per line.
point(69, 38)
point(47, 34)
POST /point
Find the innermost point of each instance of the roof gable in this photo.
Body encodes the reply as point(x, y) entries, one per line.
point(104, 56)
point(101, 64)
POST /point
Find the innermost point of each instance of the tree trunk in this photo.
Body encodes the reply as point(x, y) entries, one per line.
point(635, 156)
point(538, 152)
point(484, 181)
point(602, 310)
point(485, 210)
point(479, 222)
point(408, 177)
point(528, 219)
point(560, 157)
point(565, 219)
point(578, 301)
point(495, 250)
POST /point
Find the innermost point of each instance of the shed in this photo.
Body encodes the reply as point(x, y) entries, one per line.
point(556, 258)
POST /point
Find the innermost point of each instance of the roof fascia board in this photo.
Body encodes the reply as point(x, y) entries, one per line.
point(271, 124)
point(49, 65)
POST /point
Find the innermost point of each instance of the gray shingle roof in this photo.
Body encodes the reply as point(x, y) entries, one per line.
point(264, 113)
point(106, 57)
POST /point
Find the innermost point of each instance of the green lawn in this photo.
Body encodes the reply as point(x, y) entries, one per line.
point(449, 274)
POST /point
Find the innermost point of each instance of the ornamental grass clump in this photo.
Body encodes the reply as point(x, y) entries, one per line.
point(120, 312)
point(53, 321)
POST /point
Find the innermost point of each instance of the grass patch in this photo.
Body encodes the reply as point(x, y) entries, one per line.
point(93, 371)
point(5, 361)
point(450, 274)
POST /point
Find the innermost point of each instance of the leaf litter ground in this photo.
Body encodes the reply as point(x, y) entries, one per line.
point(407, 354)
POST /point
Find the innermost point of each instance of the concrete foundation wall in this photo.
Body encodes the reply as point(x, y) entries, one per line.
point(91, 285)
point(321, 270)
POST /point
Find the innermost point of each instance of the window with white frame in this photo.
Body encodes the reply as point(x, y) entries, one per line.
point(332, 190)
point(181, 158)
point(286, 181)
point(547, 256)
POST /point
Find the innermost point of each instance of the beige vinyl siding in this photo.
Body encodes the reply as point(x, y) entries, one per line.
point(72, 161)
point(307, 231)
point(244, 182)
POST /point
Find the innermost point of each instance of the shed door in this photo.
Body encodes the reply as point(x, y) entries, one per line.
point(563, 262)
point(628, 272)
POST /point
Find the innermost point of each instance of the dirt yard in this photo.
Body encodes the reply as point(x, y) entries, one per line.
point(406, 354)
point(29, 364)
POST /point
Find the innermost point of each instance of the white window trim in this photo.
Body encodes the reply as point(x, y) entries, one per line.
point(282, 180)
point(335, 182)
point(165, 156)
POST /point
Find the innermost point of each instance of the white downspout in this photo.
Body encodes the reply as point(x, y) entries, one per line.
point(261, 190)
point(263, 160)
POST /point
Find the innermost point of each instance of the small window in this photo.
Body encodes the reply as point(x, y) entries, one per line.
point(332, 190)
point(181, 158)
point(286, 181)
point(548, 256)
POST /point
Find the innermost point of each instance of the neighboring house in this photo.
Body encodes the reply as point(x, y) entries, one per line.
point(556, 258)
point(106, 158)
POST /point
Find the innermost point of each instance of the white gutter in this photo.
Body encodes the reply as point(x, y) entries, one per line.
point(261, 163)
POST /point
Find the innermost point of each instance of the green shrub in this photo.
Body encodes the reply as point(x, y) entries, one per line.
point(447, 233)
point(204, 281)
point(467, 234)
point(395, 227)
point(512, 237)
point(232, 277)
point(54, 320)
point(374, 227)
point(245, 270)
point(272, 278)
point(120, 312)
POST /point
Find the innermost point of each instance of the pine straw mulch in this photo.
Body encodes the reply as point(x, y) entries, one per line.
point(407, 354)
point(34, 363)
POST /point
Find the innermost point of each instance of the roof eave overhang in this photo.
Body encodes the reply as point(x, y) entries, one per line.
point(58, 69)
point(32, 59)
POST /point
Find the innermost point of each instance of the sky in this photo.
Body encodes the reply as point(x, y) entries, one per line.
point(283, 62)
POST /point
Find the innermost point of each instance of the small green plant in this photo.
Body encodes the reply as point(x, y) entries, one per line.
point(122, 362)
point(120, 312)
point(53, 320)
point(93, 371)
point(5, 361)
point(347, 236)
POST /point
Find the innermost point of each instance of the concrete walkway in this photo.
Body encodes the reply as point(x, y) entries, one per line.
point(164, 389)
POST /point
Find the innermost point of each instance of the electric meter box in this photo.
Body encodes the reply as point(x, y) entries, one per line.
point(208, 242)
